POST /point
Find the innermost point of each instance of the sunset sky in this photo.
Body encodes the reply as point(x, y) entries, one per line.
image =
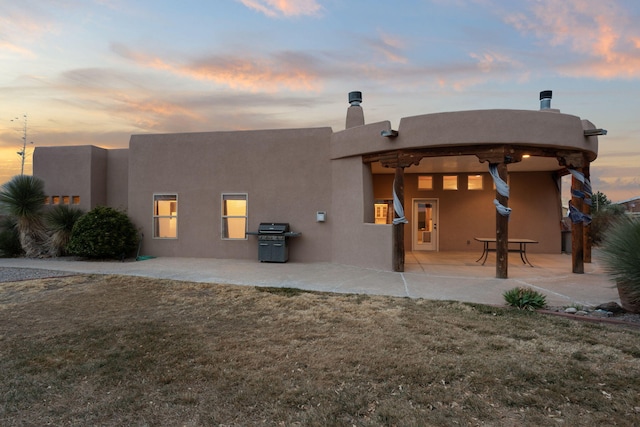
point(96, 71)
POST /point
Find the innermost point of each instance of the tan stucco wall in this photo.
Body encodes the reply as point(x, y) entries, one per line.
point(117, 178)
point(286, 174)
point(465, 214)
point(356, 240)
point(73, 171)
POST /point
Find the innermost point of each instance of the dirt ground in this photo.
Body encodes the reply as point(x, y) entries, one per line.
point(115, 350)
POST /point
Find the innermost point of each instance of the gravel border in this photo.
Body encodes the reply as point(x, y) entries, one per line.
point(15, 274)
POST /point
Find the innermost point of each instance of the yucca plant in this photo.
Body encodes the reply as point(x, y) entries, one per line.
point(60, 220)
point(621, 256)
point(525, 299)
point(23, 199)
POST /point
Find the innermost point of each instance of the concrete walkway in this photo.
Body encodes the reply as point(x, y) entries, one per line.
point(439, 276)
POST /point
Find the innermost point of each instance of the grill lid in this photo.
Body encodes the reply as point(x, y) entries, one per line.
point(273, 228)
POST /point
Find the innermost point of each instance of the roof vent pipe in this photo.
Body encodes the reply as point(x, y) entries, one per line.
point(545, 99)
point(355, 98)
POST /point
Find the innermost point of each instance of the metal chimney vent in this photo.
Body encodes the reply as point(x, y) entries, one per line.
point(545, 99)
point(355, 98)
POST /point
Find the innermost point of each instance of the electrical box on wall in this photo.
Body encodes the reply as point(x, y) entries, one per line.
point(321, 216)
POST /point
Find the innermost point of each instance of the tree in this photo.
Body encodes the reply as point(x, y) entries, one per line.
point(23, 198)
point(599, 201)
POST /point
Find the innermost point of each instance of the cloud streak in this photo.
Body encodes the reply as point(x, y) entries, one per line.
point(286, 8)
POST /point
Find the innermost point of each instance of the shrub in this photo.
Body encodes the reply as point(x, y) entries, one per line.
point(9, 238)
point(603, 220)
point(103, 233)
point(525, 298)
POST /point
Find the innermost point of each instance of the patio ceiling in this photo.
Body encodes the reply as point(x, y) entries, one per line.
point(457, 164)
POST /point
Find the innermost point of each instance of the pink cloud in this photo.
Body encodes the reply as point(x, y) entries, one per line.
point(285, 71)
point(599, 30)
point(275, 8)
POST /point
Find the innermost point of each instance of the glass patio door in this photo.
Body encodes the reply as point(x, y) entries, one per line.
point(425, 225)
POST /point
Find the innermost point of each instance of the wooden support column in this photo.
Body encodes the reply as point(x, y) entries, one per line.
point(577, 230)
point(398, 229)
point(586, 228)
point(502, 230)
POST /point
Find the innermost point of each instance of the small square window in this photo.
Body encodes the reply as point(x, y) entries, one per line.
point(450, 182)
point(474, 182)
point(425, 182)
point(55, 200)
point(75, 200)
point(47, 200)
point(65, 200)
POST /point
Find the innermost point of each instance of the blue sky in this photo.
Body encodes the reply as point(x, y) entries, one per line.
point(97, 71)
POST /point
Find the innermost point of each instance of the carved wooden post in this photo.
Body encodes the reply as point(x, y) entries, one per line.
point(586, 228)
point(502, 229)
point(398, 228)
point(577, 229)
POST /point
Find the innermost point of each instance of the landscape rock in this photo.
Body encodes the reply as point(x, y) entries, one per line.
point(612, 306)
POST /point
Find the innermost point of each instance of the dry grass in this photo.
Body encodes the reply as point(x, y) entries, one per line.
point(111, 350)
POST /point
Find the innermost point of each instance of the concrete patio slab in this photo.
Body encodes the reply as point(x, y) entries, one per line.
point(431, 275)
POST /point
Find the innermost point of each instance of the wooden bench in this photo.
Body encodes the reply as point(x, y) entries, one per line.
point(522, 248)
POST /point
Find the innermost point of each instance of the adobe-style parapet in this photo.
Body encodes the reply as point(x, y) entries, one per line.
point(541, 129)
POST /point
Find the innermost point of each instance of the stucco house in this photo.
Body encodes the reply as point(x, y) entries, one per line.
point(198, 194)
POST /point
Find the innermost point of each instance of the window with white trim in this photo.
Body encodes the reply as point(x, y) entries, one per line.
point(165, 216)
point(234, 216)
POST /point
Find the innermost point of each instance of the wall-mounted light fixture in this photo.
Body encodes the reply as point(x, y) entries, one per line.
point(595, 132)
point(389, 133)
point(321, 216)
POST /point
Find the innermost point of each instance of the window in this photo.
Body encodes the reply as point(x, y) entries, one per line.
point(425, 182)
point(47, 200)
point(75, 200)
point(474, 182)
point(450, 182)
point(55, 200)
point(165, 216)
point(65, 200)
point(234, 216)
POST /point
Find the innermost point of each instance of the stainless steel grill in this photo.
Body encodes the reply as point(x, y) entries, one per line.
point(273, 241)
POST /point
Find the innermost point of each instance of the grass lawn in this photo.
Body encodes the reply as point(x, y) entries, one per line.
point(116, 350)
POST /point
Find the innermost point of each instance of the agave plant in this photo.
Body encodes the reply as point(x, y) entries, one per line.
point(23, 199)
point(60, 220)
point(621, 253)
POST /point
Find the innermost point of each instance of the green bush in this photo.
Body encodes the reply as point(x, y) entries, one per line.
point(10, 246)
point(525, 298)
point(103, 233)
